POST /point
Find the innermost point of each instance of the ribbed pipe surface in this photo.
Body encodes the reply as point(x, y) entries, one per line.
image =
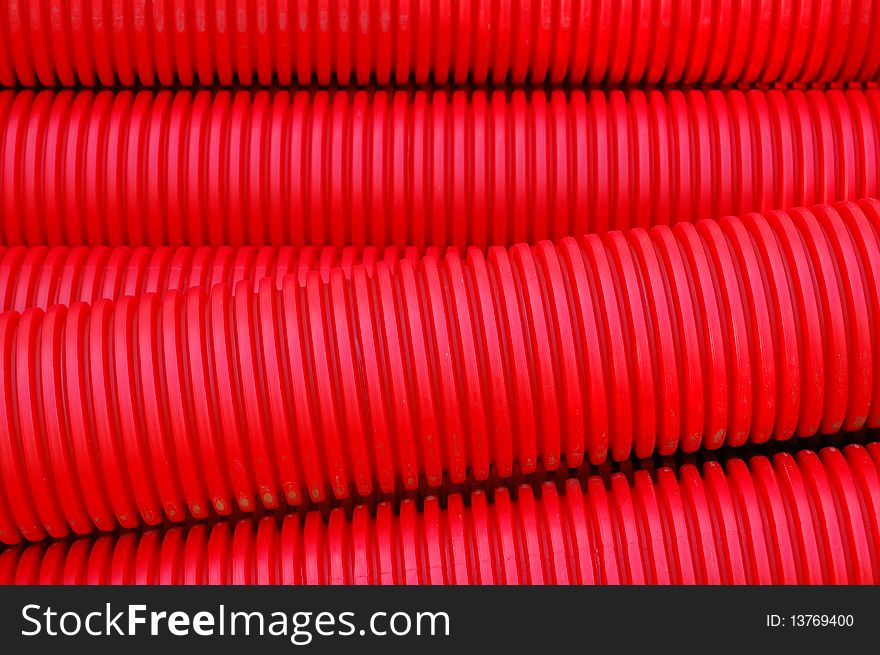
point(805, 519)
point(643, 342)
point(417, 168)
point(168, 42)
point(44, 276)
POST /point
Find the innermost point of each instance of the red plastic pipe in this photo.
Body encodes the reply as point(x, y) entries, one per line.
point(422, 168)
point(42, 277)
point(804, 519)
point(131, 42)
point(644, 342)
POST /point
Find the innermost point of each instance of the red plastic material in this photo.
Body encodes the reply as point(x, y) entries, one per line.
point(644, 342)
point(42, 277)
point(809, 518)
point(417, 168)
point(168, 42)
